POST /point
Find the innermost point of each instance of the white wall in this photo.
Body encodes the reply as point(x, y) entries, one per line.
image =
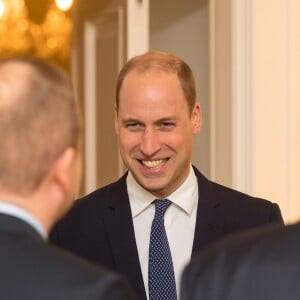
point(265, 101)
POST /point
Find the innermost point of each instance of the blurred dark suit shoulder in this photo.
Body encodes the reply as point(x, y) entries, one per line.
point(33, 269)
point(260, 264)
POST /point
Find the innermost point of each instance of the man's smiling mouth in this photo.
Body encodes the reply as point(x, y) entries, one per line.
point(154, 164)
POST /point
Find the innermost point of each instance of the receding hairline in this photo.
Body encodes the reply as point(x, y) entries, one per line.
point(164, 62)
point(155, 60)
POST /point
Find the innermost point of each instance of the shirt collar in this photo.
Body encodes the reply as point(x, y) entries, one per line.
point(185, 197)
point(18, 212)
point(139, 198)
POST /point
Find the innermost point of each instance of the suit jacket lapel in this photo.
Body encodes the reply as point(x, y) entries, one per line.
point(120, 233)
point(209, 222)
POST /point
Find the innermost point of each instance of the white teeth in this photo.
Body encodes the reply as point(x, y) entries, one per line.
point(153, 164)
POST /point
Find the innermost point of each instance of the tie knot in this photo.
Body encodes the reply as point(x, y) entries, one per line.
point(161, 207)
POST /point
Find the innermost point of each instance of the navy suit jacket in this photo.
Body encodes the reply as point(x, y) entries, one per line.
point(32, 269)
point(100, 226)
point(260, 264)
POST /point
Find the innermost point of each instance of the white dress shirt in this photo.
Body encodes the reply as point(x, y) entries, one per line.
point(20, 213)
point(180, 220)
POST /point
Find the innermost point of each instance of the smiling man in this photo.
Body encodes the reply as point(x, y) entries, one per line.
point(155, 128)
point(121, 225)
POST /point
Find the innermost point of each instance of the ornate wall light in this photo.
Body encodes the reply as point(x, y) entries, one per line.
point(37, 28)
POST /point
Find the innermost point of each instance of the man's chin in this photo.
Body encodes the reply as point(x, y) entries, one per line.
point(157, 190)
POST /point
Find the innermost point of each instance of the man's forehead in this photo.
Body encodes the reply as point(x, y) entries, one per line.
point(136, 76)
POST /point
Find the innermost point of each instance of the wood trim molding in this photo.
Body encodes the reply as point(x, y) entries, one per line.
point(242, 136)
point(220, 91)
point(90, 106)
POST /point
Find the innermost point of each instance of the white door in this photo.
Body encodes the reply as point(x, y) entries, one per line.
point(104, 40)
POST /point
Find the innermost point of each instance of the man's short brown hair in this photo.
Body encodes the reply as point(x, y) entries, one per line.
point(161, 61)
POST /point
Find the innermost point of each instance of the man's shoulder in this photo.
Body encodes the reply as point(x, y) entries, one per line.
point(276, 237)
point(232, 250)
point(257, 257)
point(75, 272)
point(73, 264)
point(239, 210)
point(102, 194)
point(225, 194)
point(272, 239)
point(90, 208)
point(58, 274)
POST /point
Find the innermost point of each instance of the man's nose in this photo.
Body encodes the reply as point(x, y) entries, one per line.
point(150, 143)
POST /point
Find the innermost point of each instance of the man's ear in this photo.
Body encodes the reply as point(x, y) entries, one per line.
point(197, 118)
point(116, 119)
point(61, 171)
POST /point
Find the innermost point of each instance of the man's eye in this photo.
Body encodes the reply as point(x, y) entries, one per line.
point(167, 124)
point(133, 126)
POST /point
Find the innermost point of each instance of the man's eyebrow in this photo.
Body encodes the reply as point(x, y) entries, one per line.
point(166, 119)
point(158, 121)
point(130, 120)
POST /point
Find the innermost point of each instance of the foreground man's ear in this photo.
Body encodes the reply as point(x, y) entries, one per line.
point(60, 175)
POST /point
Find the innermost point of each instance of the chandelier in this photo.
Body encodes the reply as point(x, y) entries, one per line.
point(39, 28)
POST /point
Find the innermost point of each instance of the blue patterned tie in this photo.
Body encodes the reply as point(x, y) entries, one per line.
point(161, 277)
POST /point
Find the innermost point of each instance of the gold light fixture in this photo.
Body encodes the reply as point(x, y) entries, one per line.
point(64, 5)
point(37, 28)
